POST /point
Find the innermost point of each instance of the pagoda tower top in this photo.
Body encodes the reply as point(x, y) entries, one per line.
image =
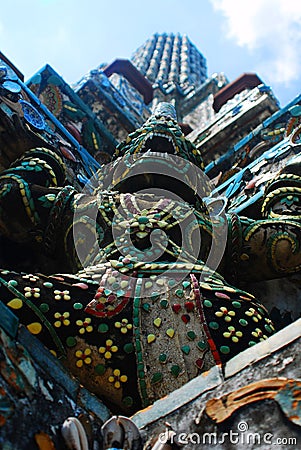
point(171, 62)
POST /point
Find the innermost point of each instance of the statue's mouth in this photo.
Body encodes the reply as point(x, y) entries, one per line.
point(158, 141)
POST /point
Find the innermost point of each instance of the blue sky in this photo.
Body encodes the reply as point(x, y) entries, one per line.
point(235, 36)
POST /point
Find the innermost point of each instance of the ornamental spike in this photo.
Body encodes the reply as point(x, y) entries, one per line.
point(165, 109)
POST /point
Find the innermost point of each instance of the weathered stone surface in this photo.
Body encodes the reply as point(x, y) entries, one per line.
point(262, 424)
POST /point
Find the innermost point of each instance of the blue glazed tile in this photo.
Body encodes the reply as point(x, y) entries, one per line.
point(8, 321)
point(91, 403)
point(48, 362)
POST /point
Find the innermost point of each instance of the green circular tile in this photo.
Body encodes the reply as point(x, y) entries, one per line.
point(77, 306)
point(100, 369)
point(236, 304)
point(208, 303)
point(224, 349)
point(214, 325)
point(128, 348)
point(243, 322)
point(103, 328)
point(44, 307)
point(70, 341)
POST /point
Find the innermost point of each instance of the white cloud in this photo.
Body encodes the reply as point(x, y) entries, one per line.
point(270, 27)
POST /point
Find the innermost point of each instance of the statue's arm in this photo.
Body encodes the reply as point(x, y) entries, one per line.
point(269, 249)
